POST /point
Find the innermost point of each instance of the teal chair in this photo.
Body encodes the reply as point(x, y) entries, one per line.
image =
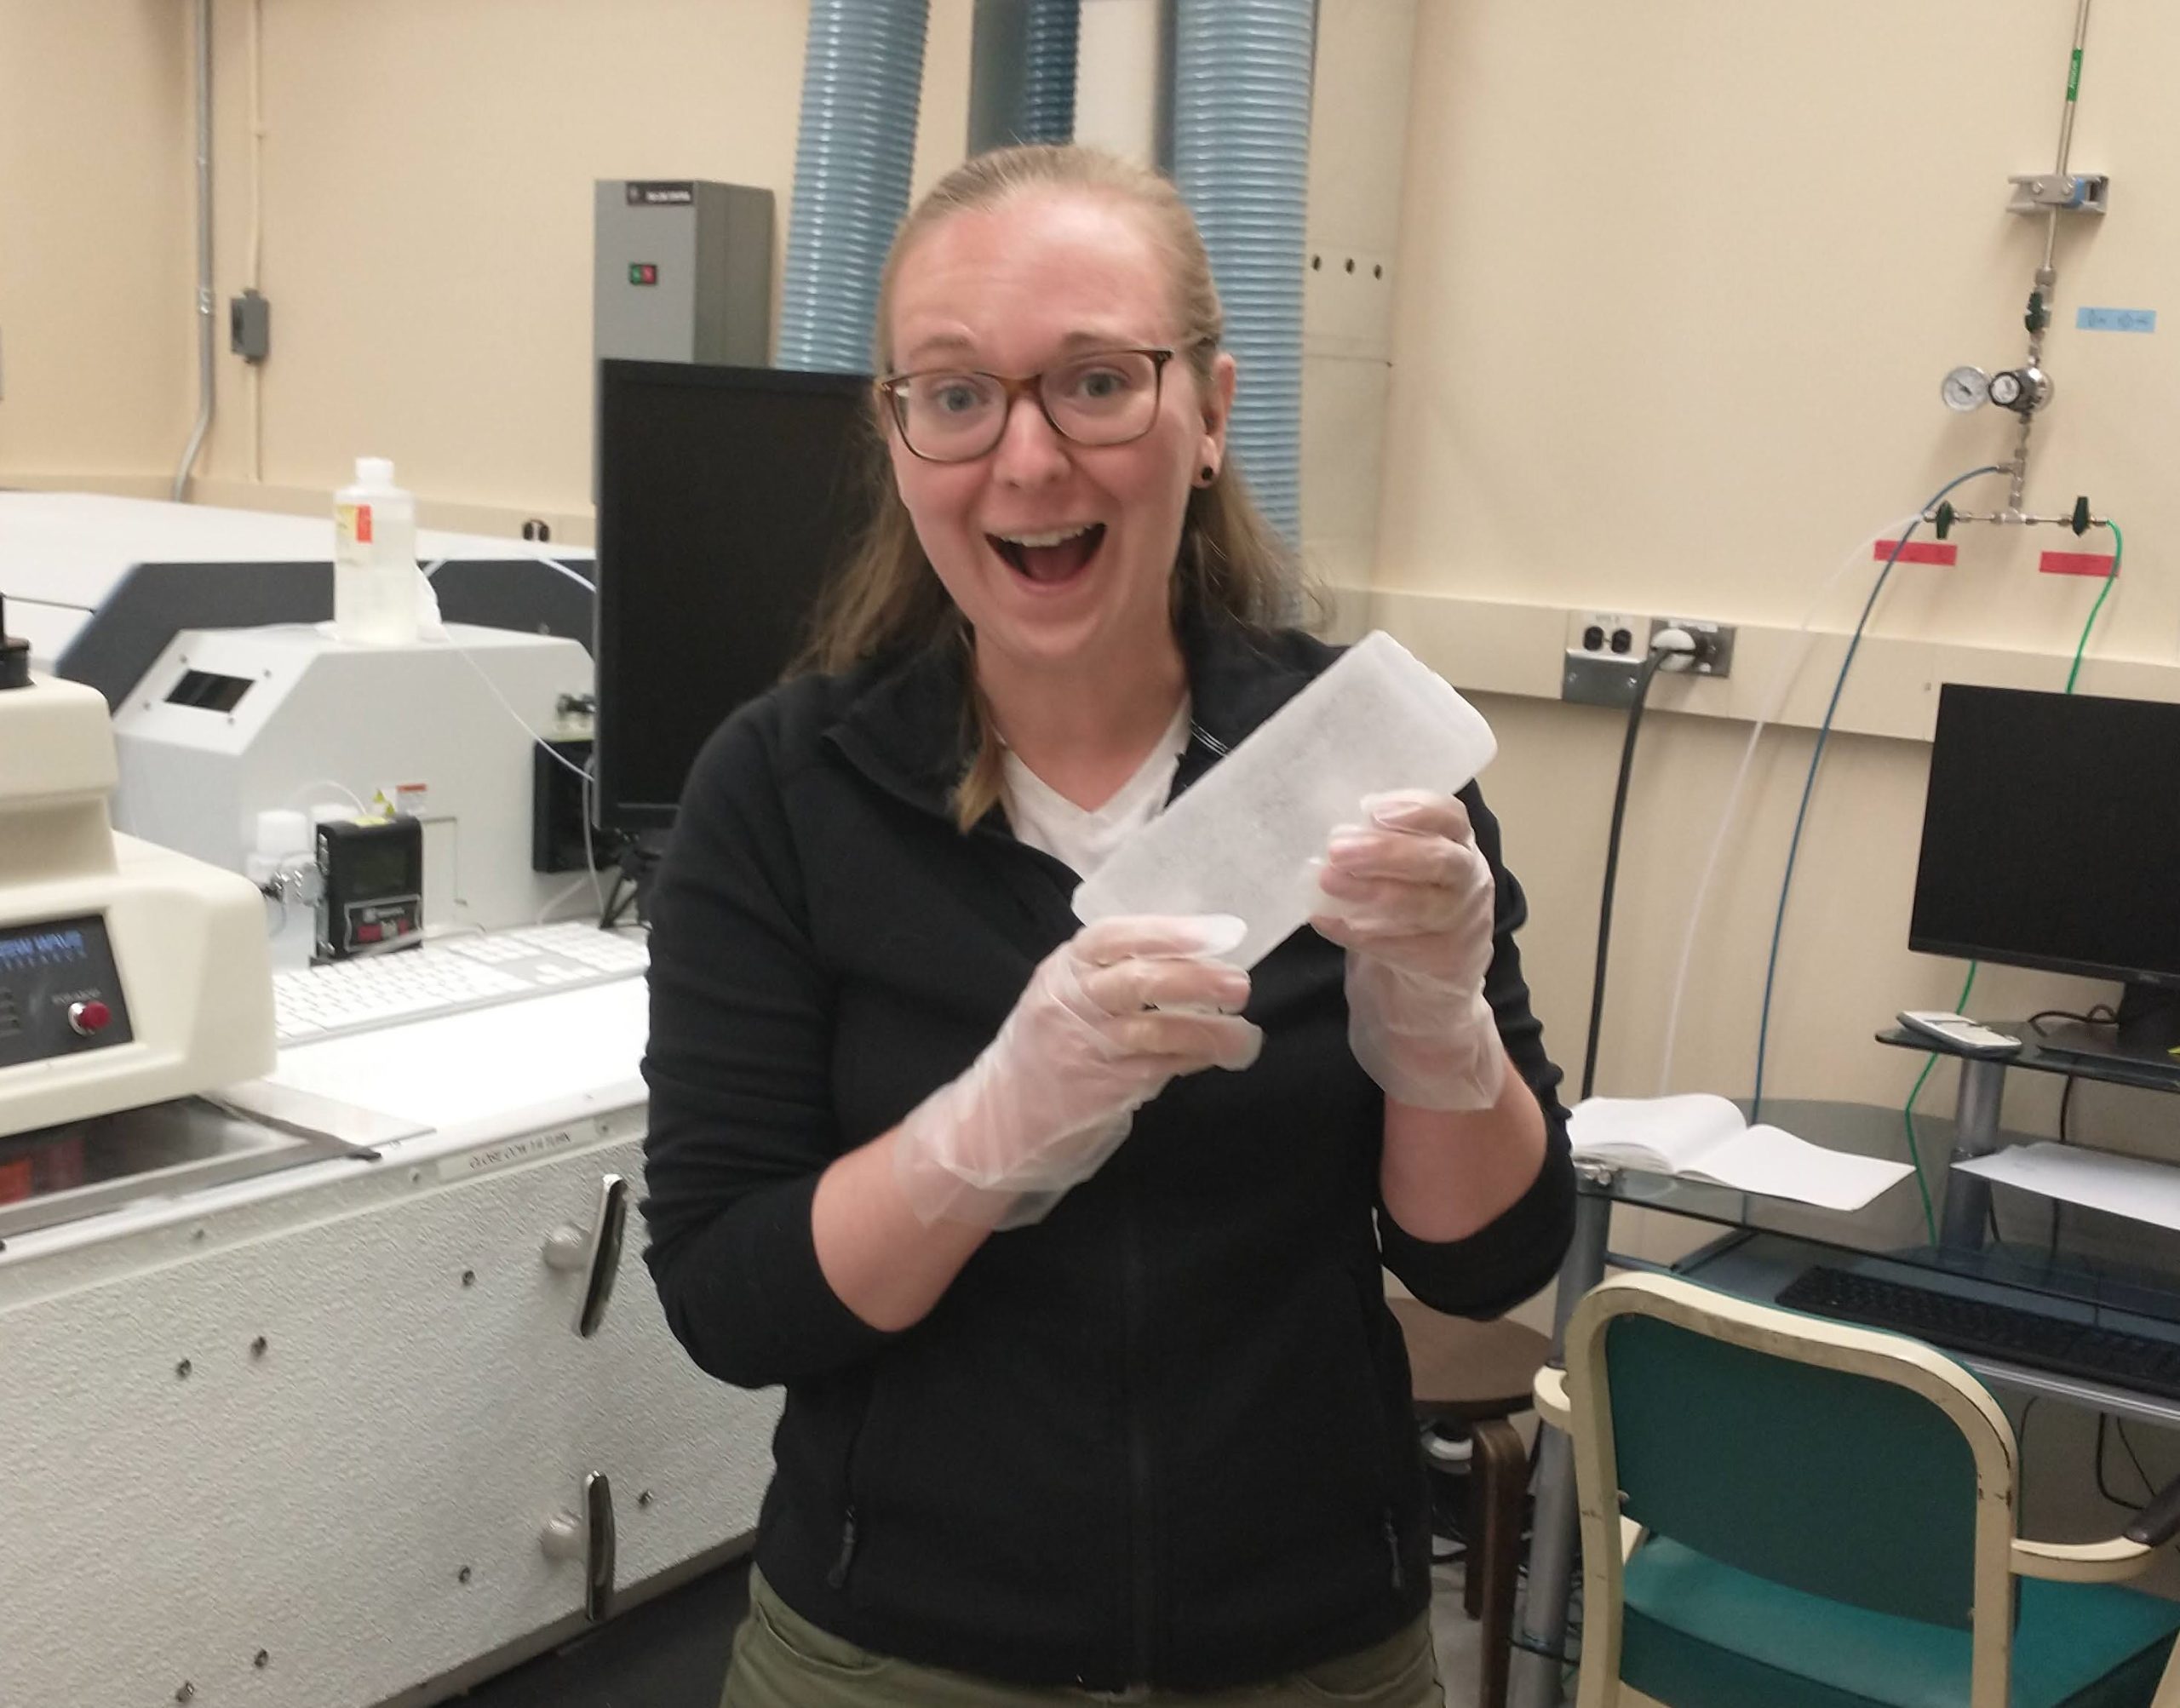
point(1780, 1512)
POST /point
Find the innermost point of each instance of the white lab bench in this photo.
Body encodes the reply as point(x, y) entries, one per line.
point(296, 1440)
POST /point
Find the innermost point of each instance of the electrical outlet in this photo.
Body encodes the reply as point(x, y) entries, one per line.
point(1605, 652)
point(1719, 635)
point(1607, 634)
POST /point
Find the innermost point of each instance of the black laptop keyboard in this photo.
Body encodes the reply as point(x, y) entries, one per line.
point(1984, 1328)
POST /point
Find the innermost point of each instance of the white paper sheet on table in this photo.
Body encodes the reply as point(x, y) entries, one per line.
point(1703, 1136)
point(2122, 1185)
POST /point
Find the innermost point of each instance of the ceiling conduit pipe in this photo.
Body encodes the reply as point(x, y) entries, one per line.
point(203, 250)
point(862, 80)
point(1048, 71)
point(1022, 72)
point(1241, 82)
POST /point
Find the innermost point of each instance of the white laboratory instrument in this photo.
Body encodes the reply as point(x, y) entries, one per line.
point(129, 973)
point(326, 1435)
point(75, 566)
point(228, 724)
point(303, 1410)
point(366, 992)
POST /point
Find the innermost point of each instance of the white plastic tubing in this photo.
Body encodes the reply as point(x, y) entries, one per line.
point(1805, 642)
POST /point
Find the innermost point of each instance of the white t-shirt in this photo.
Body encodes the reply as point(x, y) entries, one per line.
point(1044, 818)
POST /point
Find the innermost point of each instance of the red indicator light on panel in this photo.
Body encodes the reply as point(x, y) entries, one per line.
point(86, 1017)
point(643, 272)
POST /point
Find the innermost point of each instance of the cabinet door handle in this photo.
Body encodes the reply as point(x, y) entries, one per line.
point(588, 1537)
point(595, 1251)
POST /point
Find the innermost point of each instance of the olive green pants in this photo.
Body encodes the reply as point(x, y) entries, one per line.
point(781, 1661)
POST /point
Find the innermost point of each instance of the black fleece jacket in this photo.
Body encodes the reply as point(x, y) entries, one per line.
point(1160, 1437)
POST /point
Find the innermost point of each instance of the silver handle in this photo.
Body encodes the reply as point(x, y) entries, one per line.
point(590, 1539)
point(595, 1251)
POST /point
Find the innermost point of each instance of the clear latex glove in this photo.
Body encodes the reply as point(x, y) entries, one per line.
point(1108, 1018)
point(1409, 897)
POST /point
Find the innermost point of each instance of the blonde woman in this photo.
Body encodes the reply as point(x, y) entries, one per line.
point(1065, 1241)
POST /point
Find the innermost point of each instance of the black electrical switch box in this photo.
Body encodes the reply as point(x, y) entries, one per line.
point(250, 326)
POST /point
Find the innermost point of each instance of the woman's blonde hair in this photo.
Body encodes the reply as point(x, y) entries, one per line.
point(888, 600)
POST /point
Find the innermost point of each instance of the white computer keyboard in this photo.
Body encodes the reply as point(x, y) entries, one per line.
point(448, 975)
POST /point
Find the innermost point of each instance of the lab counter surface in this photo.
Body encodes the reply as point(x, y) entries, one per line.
point(307, 1436)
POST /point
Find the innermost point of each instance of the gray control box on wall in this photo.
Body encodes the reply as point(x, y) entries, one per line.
point(683, 272)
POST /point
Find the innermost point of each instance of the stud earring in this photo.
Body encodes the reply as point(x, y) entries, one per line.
point(1208, 475)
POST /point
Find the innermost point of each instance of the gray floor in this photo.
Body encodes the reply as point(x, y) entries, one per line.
point(1460, 1651)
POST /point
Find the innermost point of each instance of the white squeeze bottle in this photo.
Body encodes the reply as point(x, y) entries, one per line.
point(375, 559)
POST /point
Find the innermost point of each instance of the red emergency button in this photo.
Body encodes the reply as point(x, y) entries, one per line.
point(86, 1017)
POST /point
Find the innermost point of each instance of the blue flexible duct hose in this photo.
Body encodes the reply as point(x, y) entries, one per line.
point(1242, 78)
point(1054, 30)
point(862, 79)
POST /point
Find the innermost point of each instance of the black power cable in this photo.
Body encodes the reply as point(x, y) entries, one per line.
point(1651, 665)
point(2066, 1103)
point(2119, 1428)
point(2104, 1488)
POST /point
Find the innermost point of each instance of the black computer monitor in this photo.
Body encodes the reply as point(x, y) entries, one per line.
point(727, 498)
point(2052, 840)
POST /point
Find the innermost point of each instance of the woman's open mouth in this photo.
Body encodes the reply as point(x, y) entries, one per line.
point(1052, 559)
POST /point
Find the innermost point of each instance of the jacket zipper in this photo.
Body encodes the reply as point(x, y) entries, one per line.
point(1144, 1597)
point(1388, 1519)
point(837, 1578)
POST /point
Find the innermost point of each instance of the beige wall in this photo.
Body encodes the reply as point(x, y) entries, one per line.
point(96, 233)
point(1670, 291)
point(1680, 281)
point(1676, 285)
point(426, 221)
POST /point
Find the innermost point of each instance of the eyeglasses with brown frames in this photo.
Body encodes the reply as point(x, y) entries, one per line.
point(957, 414)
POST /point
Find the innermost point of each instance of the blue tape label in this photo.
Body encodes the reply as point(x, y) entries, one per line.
point(2116, 320)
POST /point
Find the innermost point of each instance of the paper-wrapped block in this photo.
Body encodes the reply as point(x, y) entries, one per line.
point(1240, 840)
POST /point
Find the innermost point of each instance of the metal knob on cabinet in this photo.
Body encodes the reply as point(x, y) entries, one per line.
point(594, 1251)
point(588, 1537)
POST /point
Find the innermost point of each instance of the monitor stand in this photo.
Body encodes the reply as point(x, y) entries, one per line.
point(2148, 1033)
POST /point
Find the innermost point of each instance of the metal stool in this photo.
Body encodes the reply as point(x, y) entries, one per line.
point(1480, 1375)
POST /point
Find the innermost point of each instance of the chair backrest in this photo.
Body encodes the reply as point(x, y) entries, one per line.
point(1858, 1466)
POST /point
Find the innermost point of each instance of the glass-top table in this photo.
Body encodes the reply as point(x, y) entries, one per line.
point(2062, 1255)
point(1976, 1236)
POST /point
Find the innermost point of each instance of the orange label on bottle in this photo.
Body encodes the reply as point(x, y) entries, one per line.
point(362, 524)
point(354, 522)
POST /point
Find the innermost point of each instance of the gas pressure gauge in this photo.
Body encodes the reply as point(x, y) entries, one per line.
point(1964, 390)
point(2022, 390)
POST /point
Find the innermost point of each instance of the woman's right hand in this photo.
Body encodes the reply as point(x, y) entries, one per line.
point(1107, 1020)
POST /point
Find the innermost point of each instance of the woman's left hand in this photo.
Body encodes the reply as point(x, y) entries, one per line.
point(1409, 896)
